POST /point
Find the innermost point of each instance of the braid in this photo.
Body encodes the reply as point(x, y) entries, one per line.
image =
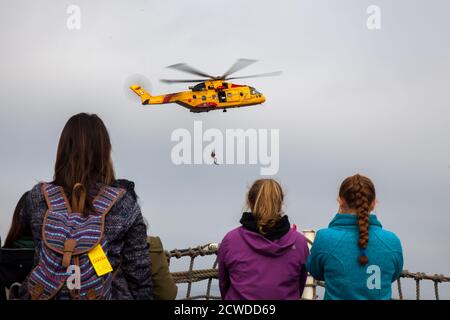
point(362, 212)
point(359, 193)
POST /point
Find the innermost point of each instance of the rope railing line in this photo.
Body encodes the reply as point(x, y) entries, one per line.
point(208, 249)
point(399, 288)
point(208, 288)
point(419, 276)
point(203, 296)
point(192, 276)
point(436, 290)
point(424, 276)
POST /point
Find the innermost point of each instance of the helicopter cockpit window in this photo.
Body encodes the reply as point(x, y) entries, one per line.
point(253, 91)
point(199, 87)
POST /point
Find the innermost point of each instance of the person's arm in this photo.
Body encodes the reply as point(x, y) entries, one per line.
point(164, 287)
point(136, 264)
point(316, 261)
point(398, 260)
point(224, 278)
point(32, 215)
point(32, 201)
point(303, 272)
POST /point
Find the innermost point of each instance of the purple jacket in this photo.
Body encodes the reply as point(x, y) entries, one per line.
point(251, 267)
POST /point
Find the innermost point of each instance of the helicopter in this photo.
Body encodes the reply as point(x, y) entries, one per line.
point(209, 93)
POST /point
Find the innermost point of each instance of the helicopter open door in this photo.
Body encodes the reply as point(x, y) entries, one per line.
point(222, 96)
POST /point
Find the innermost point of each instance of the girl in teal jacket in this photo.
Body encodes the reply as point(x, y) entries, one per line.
point(355, 256)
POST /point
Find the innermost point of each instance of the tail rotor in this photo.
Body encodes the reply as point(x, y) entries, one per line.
point(137, 84)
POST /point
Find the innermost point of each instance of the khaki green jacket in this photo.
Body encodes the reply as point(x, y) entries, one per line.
point(164, 287)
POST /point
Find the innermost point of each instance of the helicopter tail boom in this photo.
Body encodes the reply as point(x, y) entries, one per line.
point(144, 95)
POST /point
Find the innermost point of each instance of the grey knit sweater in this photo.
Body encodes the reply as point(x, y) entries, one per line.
point(126, 233)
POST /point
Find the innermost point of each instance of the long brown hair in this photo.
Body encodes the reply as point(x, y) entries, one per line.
point(358, 192)
point(265, 201)
point(18, 230)
point(83, 159)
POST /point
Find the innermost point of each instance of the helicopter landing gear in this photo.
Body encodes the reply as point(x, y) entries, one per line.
point(224, 110)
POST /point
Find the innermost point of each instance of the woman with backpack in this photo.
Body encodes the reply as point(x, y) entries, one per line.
point(265, 257)
point(355, 256)
point(89, 232)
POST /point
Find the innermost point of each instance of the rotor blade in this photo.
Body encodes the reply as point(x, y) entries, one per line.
point(182, 81)
point(188, 69)
point(238, 65)
point(269, 74)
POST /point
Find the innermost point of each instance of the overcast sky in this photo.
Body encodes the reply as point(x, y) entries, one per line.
point(349, 100)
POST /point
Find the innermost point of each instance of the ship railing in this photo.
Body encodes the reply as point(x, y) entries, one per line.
point(193, 275)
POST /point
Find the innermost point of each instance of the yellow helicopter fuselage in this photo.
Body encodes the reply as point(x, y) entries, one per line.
point(206, 96)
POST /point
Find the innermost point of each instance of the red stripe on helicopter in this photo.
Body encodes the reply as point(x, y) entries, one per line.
point(167, 97)
point(207, 105)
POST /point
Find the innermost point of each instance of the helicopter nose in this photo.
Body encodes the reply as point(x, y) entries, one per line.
point(263, 99)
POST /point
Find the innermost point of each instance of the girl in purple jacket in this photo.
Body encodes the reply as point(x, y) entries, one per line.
point(264, 258)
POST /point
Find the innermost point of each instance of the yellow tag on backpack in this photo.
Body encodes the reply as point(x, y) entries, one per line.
point(99, 261)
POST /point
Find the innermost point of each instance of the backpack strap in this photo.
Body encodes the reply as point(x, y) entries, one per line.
point(56, 198)
point(106, 198)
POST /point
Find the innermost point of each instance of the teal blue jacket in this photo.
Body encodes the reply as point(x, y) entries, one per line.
point(334, 259)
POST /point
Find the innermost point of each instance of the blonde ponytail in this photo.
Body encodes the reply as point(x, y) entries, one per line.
point(265, 201)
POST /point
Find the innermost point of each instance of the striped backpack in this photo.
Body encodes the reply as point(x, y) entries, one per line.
point(67, 239)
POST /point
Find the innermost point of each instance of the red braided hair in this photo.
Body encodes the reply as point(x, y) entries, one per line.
point(358, 192)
